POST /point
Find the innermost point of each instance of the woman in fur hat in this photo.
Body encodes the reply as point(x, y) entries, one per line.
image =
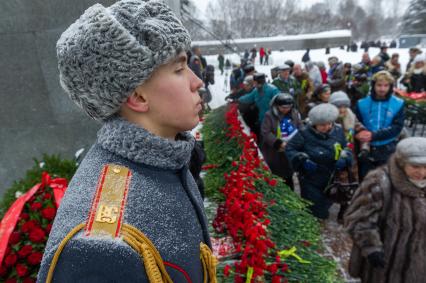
point(280, 124)
point(387, 219)
point(316, 152)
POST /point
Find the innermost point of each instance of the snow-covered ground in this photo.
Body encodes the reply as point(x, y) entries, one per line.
point(221, 87)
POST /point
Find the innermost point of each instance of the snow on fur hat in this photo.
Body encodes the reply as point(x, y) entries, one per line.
point(340, 98)
point(108, 52)
point(411, 150)
point(323, 113)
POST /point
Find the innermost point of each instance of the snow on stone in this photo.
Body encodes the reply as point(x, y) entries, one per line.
point(326, 34)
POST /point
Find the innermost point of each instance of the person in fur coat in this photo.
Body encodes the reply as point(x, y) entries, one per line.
point(280, 124)
point(387, 219)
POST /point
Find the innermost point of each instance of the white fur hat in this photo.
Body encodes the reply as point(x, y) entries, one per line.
point(323, 113)
point(412, 150)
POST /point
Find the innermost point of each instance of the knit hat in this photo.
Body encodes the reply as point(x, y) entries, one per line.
point(411, 150)
point(323, 113)
point(108, 52)
point(340, 98)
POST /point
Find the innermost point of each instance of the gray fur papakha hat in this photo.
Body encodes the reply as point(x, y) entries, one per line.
point(323, 113)
point(108, 52)
point(411, 150)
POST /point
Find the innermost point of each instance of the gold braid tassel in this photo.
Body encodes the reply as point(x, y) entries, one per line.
point(209, 262)
point(153, 262)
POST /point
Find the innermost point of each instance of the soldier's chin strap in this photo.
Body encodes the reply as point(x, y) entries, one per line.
point(152, 260)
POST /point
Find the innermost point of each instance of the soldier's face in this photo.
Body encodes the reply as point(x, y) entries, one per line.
point(172, 98)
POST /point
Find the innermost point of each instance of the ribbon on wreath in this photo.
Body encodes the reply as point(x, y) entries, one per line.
point(8, 223)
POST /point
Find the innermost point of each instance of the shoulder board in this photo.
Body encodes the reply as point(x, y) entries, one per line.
point(107, 210)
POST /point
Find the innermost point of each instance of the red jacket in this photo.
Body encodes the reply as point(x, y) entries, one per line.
point(324, 76)
point(262, 52)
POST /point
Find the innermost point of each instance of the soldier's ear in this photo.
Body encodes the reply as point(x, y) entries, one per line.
point(137, 101)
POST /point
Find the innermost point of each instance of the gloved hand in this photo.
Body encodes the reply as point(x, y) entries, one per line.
point(377, 259)
point(345, 160)
point(309, 165)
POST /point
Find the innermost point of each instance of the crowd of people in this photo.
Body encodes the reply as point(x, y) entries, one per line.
point(329, 125)
point(341, 130)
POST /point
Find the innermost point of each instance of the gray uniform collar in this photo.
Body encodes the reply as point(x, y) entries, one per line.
point(132, 142)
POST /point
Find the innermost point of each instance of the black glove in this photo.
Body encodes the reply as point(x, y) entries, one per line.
point(377, 259)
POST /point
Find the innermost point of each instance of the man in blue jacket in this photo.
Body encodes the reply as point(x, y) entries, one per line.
point(382, 114)
point(132, 212)
point(261, 95)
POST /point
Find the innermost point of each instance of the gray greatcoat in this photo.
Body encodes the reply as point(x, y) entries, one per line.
point(163, 202)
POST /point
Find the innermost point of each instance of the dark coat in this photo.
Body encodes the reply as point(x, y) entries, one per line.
point(336, 78)
point(320, 149)
point(308, 143)
point(163, 202)
point(277, 161)
point(388, 214)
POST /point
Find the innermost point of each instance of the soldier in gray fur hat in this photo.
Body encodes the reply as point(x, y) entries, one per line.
point(132, 212)
point(387, 218)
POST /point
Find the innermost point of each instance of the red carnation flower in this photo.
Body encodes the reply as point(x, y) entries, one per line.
point(48, 228)
point(11, 280)
point(3, 271)
point(24, 216)
point(47, 196)
point(28, 226)
point(29, 280)
point(10, 260)
point(273, 182)
point(48, 213)
point(36, 206)
point(226, 270)
point(34, 258)
point(25, 251)
point(15, 237)
point(285, 267)
point(37, 235)
point(21, 269)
